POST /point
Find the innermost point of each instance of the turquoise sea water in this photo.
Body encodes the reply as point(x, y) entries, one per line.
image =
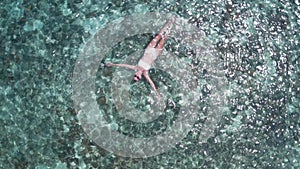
point(257, 41)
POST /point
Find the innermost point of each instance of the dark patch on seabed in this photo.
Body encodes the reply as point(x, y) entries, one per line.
point(258, 42)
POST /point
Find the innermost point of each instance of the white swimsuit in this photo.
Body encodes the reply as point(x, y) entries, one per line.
point(148, 58)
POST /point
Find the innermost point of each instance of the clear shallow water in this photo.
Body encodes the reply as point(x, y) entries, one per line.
point(259, 45)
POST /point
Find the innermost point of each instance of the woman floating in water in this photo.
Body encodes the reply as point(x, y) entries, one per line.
point(151, 53)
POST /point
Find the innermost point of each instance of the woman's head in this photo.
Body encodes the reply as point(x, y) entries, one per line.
point(138, 75)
